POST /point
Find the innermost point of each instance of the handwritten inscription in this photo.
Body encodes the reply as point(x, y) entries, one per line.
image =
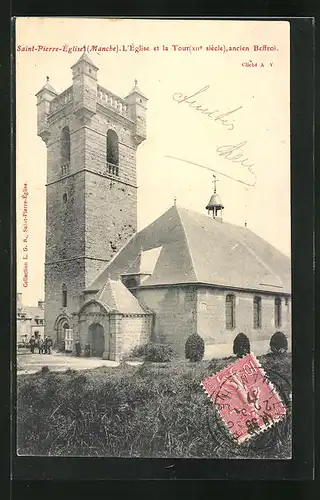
point(227, 152)
point(205, 111)
point(232, 152)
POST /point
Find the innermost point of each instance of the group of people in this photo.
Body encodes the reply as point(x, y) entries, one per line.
point(43, 346)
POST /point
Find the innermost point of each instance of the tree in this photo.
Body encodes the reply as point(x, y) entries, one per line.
point(194, 348)
point(278, 343)
point(241, 345)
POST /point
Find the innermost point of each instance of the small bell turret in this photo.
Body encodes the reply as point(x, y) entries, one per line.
point(215, 205)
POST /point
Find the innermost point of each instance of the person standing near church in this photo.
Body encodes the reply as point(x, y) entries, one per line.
point(40, 346)
point(48, 345)
point(32, 344)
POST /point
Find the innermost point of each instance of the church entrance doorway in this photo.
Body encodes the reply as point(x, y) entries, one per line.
point(96, 339)
point(62, 328)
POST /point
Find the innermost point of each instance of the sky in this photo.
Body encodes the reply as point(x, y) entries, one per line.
point(253, 84)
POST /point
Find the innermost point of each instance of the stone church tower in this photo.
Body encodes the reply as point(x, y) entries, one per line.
point(91, 136)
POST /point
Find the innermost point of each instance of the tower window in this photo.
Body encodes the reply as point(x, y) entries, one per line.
point(230, 312)
point(257, 312)
point(112, 152)
point(64, 296)
point(277, 312)
point(65, 150)
point(65, 198)
point(131, 282)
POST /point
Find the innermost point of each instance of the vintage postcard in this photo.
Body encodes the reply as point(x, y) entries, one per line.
point(153, 238)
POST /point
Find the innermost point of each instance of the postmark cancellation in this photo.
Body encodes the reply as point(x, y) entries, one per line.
point(246, 400)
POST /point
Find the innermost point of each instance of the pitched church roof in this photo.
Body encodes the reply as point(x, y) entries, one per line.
point(84, 57)
point(116, 297)
point(136, 90)
point(48, 87)
point(200, 249)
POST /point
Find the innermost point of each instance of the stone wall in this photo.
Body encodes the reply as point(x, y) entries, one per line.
point(96, 146)
point(65, 212)
point(70, 273)
point(175, 314)
point(212, 318)
point(110, 220)
point(135, 330)
point(77, 144)
point(90, 212)
point(181, 311)
point(121, 332)
point(91, 313)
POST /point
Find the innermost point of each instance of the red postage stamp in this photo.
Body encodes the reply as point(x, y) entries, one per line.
point(245, 398)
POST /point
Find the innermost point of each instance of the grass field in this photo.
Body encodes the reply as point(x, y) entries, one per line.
point(154, 410)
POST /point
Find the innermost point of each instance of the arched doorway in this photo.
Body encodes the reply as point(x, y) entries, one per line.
point(62, 326)
point(96, 339)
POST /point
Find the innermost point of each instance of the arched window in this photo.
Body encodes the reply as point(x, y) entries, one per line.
point(277, 312)
point(112, 152)
point(65, 150)
point(257, 312)
point(64, 296)
point(230, 312)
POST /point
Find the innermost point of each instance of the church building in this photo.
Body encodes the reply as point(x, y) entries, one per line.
point(114, 288)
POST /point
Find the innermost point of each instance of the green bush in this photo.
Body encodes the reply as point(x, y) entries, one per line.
point(241, 345)
point(70, 371)
point(138, 351)
point(156, 353)
point(194, 348)
point(159, 353)
point(278, 343)
point(44, 369)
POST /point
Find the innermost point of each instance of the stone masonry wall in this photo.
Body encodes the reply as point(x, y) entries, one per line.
point(179, 312)
point(70, 273)
point(175, 314)
point(96, 146)
point(65, 230)
point(212, 319)
point(65, 118)
point(90, 212)
point(135, 330)
point(91, 313)
point(110, 201)
point(110, 220)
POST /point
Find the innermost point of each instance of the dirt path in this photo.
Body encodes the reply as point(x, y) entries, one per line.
point(31, 363)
